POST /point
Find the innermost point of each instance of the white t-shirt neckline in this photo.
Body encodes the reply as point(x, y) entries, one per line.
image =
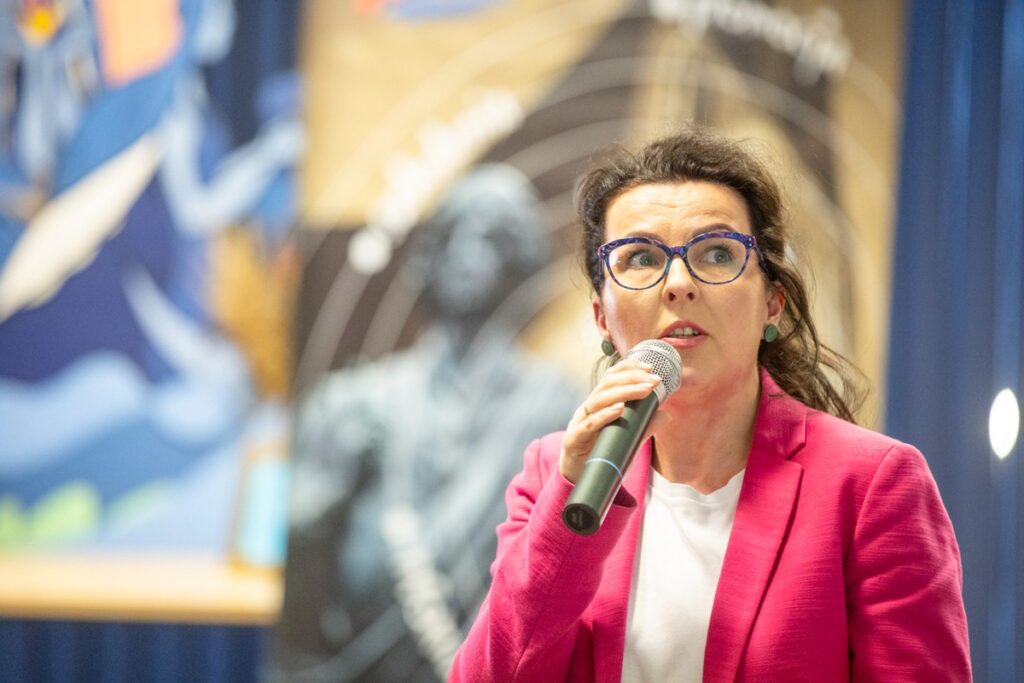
point(675, 575)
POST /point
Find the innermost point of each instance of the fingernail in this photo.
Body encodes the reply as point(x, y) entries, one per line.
point(646, 366)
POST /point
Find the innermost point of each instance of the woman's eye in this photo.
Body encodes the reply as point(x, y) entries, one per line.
point(642, 258)
point(718, 255)
point(721, 255)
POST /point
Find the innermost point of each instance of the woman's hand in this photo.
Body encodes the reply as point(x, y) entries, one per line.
point(628, 380)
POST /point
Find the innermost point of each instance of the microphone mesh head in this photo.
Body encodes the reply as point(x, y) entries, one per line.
point(666, 363)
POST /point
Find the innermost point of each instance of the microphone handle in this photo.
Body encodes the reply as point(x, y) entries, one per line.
point(607, 463)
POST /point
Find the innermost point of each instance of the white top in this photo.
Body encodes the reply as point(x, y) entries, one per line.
point(678, 562)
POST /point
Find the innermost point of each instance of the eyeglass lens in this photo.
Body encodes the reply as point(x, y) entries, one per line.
point(714, 260)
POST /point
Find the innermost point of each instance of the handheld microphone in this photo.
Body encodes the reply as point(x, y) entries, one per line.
point(613, 451)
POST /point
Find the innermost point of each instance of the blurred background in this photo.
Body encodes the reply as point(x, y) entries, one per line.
point(272, 273)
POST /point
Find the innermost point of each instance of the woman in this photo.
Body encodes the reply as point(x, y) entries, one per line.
point(759, 533)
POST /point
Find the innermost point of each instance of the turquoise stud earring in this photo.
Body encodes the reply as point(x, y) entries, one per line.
point(607, 348)
point(771, 333)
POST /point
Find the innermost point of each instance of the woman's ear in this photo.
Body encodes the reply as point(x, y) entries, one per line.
point(599, 317)
point(776, 302)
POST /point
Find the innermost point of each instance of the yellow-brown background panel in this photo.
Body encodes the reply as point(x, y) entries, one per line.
point(375, 81)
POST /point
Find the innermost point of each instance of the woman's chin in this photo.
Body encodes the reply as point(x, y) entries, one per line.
point(692, 378)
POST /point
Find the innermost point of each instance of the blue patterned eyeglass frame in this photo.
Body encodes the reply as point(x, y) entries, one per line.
point(749, 241)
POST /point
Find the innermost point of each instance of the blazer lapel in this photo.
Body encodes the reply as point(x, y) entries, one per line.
point(611, 604)
point(770, 487)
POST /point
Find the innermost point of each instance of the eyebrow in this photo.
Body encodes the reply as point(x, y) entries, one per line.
point(714, 227)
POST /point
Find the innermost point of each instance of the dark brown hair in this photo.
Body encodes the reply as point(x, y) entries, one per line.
point(798, 362)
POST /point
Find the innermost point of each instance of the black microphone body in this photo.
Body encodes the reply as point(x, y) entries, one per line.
point(617, 443)
point(606, 465)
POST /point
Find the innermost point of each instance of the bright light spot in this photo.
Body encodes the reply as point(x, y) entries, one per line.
point(369, 251)
point(1004, 423)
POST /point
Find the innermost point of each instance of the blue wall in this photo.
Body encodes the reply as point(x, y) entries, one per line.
point(66, 652)
point(958, 288)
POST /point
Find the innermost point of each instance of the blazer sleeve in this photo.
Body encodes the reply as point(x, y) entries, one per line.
point(904, 579)
point(543, 578)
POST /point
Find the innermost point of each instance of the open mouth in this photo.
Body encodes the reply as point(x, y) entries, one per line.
point(685, 332)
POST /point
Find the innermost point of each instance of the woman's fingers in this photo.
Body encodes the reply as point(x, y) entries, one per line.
point(580, 437)
point(625, 367)
point(592, 421)
point(634, 391)
point(627, 381)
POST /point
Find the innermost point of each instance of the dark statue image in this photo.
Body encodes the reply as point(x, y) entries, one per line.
point(400, 463)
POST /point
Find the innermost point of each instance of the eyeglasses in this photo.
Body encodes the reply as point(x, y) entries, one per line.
point(715, 258)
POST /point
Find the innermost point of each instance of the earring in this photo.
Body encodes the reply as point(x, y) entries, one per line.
point(771, 333)
point(607, 348)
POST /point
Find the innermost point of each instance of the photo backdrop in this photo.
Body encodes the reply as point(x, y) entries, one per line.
point(442, 322)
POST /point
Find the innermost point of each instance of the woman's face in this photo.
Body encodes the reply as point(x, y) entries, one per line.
point(729, 319)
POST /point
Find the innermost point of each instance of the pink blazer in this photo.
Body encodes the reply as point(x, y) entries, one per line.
point(841, 565)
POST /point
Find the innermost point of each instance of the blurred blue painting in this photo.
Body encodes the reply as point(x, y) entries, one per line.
point(147, 200)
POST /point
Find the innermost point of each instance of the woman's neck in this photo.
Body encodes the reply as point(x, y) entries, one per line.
point(705, 440)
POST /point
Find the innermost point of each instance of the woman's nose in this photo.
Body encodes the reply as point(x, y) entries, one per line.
point(679, 283)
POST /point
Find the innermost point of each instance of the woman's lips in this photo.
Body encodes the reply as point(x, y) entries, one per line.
point(684, 334)
point(685, 342)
